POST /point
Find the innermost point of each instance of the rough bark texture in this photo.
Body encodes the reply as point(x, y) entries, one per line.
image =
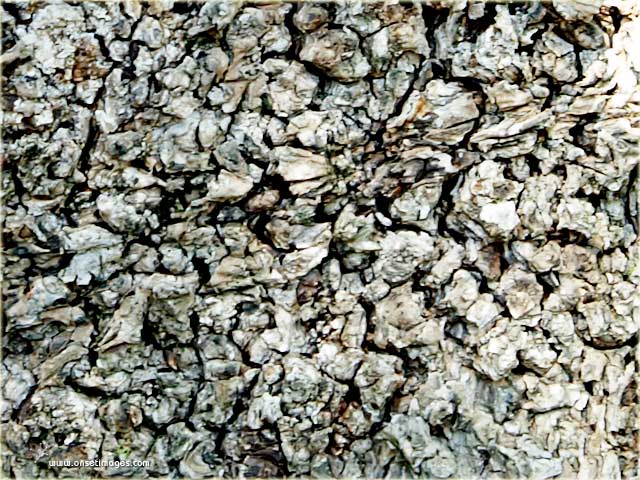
point(333, 239)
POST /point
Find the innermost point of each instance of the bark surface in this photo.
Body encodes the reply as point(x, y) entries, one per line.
point(321, 239)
